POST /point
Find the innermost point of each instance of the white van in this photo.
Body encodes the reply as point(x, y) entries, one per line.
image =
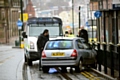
point(34, 27)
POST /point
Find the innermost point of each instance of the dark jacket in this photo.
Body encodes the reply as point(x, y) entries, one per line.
point(84, 34)
point(42, 41)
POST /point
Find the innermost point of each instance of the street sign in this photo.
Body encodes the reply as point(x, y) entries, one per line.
point(97, 14)
point(19, 24)
point(87, 24)
point(25, 17)
point(116, 6)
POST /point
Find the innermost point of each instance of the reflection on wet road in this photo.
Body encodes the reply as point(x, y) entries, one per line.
point(33, 73)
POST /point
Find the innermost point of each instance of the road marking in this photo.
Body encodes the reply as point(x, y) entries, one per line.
point(5, 50)
point(89, 76)
point(1, 62)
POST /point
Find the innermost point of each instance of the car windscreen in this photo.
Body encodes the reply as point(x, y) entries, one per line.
point(36, 29)
point(59, 44)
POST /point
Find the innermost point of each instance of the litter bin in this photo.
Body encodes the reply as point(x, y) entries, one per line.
point(17, 43)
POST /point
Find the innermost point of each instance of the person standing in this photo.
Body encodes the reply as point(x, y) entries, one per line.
point(83, 33)
point(71, 35)
point(66, 34)
point(42, 39)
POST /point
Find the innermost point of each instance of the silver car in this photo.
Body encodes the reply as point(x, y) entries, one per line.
point(68, 52)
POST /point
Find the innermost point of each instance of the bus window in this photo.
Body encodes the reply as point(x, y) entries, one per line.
point(37, 26)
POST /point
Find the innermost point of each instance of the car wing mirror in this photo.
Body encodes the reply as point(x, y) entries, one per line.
point(80, 46)
point(77, 36)
point(24, 35)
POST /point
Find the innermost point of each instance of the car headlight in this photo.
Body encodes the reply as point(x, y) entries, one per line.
point(31, 45)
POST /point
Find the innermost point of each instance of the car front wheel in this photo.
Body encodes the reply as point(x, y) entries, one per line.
point(25, 58)
point(29, 62)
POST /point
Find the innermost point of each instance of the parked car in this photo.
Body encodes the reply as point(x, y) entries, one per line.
point(68, 52)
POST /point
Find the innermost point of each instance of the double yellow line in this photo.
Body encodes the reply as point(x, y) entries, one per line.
point(89, 76)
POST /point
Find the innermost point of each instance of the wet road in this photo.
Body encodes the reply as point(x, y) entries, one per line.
point(33, 73)
point(11, 62)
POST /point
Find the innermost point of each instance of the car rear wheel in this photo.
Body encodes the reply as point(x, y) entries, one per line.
point(79, 67)
point(29, 62)
point(45, 69)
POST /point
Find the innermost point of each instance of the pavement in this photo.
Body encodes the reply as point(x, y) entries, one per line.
point(4, 47)
point(108, 75)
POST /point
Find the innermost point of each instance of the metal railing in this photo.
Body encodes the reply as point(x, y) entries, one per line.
point(108, 58)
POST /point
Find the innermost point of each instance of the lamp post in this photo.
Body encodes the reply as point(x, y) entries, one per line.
point(73, 15)
point(79, 17)
point(92, 19)
point(21, 9)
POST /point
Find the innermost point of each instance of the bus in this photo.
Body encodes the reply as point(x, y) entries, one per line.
point(33, 28)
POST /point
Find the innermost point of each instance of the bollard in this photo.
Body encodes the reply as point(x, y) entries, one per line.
point(98, 55)
point(22, 45)
point(105, 57)
point(119, 57)
point(112, 58)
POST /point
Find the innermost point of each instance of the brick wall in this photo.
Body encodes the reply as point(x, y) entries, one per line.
point(95, 5)
point(13, 39)
point(30, 10)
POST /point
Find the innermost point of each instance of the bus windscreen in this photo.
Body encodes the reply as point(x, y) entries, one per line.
point(37, 29)
point(37, 26)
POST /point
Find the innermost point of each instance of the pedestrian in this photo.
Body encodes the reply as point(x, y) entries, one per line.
point(71, 35)
point(83, 33)
point(42, 39)
point(66, 34)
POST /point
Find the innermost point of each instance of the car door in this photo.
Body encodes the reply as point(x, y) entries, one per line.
point(79, 48)
point(89, 52)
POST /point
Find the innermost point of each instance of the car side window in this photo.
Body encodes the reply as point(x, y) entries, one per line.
point(79, 44)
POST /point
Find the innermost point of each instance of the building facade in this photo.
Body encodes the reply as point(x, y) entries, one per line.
point(108, 24)
point(9, 14)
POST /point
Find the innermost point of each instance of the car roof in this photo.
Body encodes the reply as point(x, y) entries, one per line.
point(67, 38)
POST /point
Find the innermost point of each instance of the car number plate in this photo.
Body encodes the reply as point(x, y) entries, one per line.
point(58, 54)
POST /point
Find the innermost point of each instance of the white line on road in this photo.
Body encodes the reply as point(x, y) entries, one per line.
point(1, 62)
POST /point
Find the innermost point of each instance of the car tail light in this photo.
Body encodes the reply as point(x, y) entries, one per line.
point(43, 54)
point(74, 53)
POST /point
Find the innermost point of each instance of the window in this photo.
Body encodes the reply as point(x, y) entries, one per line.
point(36, 31)
point(59, 44)
point(81, 45)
